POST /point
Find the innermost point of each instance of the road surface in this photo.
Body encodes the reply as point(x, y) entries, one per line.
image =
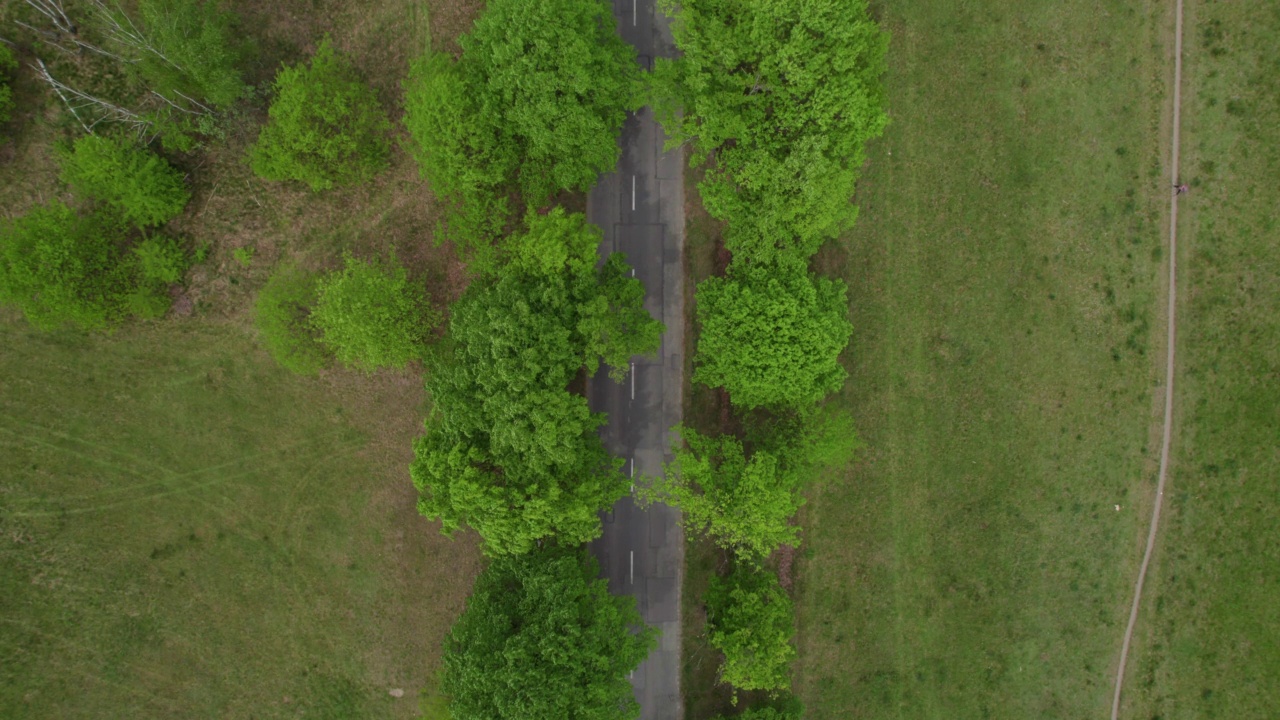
point(640, 207)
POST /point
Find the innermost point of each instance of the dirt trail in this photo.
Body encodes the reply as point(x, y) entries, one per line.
point(1169, 364)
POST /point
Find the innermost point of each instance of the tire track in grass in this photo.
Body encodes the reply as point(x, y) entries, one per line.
point(1168, 370)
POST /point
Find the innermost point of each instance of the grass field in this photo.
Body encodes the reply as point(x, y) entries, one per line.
point(188, 531)
point(185, 529)
point(1208, 645)
point(1005, 287)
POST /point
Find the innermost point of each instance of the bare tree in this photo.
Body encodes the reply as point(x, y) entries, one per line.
point(87, 109)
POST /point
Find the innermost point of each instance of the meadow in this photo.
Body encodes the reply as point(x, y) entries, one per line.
point(1004, 274)
point(1206, 646)
point(187, 530)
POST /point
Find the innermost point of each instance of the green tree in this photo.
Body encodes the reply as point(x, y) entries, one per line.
point(750, 619)
point(60, 268)
point(326, 127)
point(457, 150)
point(782, 95)
point(509, 450)
point(282, 315)
point(141, 185)
point(537, 100)
point(772, 337)
point(741, 501)
point(372, 316)
point(8, 63)
point(543, 639)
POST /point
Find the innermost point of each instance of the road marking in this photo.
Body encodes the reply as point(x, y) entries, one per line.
point(633, 13)
point(633, 192)
point(633, 474)
point(633, 567)
point(633, 381)
point(1171, 328)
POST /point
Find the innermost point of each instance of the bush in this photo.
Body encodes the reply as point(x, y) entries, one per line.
point(8, 63)
point(144, 188)
point(750, 619)
point(372, 316)
point(282, 314)
point(60, 268)
point(161, 259)
point(326, 127)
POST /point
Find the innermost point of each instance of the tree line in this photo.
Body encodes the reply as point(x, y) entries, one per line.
point(775, 98)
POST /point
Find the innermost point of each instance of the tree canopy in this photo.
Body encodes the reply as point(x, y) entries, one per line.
point(62, 268)
point(536, 100)
point(742, 501)
point(543, 639)
point(750, 619)
point(141, 185)
point(326, 127)
point(771, 337)
point(510, 450)
point(781, 96)
point(370, 315)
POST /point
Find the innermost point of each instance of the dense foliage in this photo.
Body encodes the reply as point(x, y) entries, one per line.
point(372, 316)
point(282, 314)
point(191, 51)
point(161, 259)
point(741, 500)
point(326, 127)
point(750, 619)
point(782, 96)
point(771, 337)
point(8, 63)
point(542, 639)
point(538, 96)
point(510, 450)
point(62, 268)
point(142, 186)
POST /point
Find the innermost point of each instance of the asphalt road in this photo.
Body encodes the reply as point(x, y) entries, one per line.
point(640, 207)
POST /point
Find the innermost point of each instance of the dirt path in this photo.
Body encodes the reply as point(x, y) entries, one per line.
point(1168, 369)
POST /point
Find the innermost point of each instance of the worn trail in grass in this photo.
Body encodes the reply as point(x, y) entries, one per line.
point(1207, 643)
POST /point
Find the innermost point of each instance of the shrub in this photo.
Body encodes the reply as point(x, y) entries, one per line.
point(7, 65)
point(60, 268)
point(161, 259)
point(372, 316)
point(326, 127)
point(281, 314)
point(140, 184)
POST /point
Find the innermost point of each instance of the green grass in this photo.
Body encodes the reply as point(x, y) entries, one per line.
point(1004, 286)
point(1208, 644)
point(188, 531)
